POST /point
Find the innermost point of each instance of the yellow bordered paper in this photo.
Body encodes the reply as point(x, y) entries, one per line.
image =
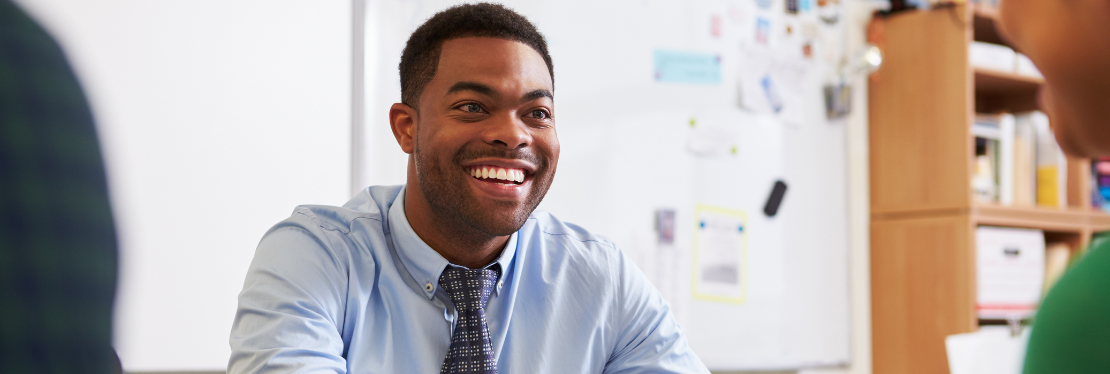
point(720, 254)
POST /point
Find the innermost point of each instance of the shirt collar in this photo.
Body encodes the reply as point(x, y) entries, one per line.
point(423, 263)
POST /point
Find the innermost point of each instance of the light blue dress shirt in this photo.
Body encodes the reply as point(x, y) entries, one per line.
point(353, 289)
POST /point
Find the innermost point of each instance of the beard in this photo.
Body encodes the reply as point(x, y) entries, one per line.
point(448, 193)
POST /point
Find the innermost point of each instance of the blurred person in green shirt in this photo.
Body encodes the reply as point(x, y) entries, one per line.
point(1069, 41)
point(57, 237)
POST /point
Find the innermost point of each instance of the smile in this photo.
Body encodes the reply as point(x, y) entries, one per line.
point(502, 176)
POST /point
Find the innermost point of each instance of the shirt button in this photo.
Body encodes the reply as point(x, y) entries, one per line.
point(499, 285)
point(428, 286)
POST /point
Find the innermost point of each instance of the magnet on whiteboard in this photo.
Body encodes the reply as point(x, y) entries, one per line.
point(773, 202)
point(664, 225)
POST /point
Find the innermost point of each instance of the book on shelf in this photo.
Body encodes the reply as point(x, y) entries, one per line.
point(1018, 163)
point(1056, 259)
point(993, 4)
point(1025, 169)
point(1052, 167)
point(1100, 183)
point(1001, 58)
point(986, 181)
point(1005, 159)
point(992, 56)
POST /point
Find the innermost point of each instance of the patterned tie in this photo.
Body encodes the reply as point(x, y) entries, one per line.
point(471, 350)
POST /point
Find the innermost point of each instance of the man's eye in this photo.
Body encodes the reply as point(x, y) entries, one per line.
point(538, 114)
point(472, 108)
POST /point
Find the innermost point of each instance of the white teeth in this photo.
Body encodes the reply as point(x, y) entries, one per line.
point(510, 175)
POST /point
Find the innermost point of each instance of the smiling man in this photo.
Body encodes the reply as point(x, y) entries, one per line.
point(454, 271)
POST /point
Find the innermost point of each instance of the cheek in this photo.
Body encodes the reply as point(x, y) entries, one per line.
point(443, 143)
point(549, 145)
point(548, 141)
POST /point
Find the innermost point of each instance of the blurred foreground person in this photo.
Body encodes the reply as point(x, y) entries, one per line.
point(1069, 41)
point(57, 239)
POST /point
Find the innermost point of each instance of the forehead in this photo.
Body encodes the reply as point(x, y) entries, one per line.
point(500, 63)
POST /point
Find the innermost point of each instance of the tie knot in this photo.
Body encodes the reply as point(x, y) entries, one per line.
point(468, 288)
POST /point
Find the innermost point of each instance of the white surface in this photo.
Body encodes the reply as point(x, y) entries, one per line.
point(857, 17)
point(992, 56)
point(991, 350)
point(1006, 159)
point(1025, 166)
point(217, 118)
point(1009, 271)
point(613, 118)
point(1025, 66)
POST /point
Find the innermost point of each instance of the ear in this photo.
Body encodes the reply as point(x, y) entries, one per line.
point(402, 119)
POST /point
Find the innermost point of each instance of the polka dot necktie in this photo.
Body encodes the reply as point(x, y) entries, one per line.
point(471, 350)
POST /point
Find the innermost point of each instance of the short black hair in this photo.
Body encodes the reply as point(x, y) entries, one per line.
point(421, 55)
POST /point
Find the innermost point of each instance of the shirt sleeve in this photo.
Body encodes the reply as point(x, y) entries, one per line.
point(290, 312)
point(649, 340)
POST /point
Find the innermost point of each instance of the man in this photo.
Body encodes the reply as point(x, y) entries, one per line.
point(1069, 40)
point(454, 272)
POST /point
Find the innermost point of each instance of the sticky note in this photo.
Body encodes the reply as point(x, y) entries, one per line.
point(687, 67)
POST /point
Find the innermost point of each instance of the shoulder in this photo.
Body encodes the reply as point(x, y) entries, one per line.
point(547, 227)
point(370, 204)
point(1069, 332)
point(1085, 285)
point(336, 230)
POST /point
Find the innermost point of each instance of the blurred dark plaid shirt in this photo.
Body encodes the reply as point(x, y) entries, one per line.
point(57, 238)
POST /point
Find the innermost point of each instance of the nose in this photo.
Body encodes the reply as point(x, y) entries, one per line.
point(508, 131)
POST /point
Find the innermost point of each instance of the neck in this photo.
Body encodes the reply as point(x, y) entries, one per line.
point(455, 241)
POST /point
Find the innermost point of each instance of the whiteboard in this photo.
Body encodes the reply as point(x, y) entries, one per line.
point(628, 149)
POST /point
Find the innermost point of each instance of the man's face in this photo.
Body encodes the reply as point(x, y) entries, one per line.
point(485, 149)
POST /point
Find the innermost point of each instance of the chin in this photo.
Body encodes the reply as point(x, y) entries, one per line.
point(500, 224)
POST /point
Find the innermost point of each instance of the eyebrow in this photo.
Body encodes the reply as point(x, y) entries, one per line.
point(489, 91)
point(536, 94)
point(474, 86)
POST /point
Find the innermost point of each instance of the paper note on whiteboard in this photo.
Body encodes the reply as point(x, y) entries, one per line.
point(687, 67)
point(720, 244)
point(772, 84)
point(708, 139)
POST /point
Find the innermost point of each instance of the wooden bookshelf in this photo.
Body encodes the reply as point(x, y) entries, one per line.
point(922, 104)
point(1047, 219)
point(984, 18)
point(1000, 91)
point(1100, 222)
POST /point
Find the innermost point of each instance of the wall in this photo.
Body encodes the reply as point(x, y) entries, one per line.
point(217, 118)
point(858, 15)
point(211, 111)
